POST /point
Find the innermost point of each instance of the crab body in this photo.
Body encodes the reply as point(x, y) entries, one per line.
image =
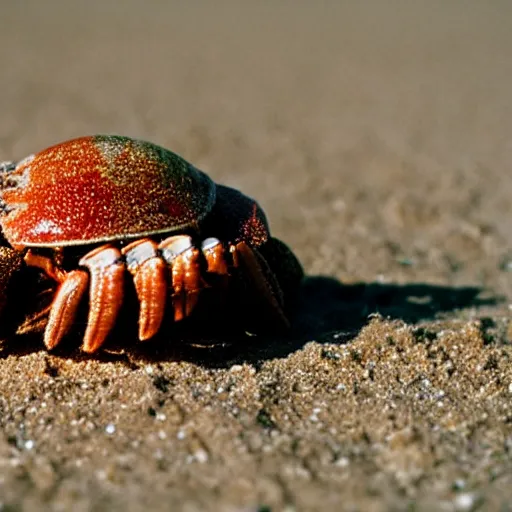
point(131, 207)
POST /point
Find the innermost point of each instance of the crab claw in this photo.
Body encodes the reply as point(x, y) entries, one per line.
point(106, 294)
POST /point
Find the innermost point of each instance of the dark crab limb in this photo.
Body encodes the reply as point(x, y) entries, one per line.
point(11, 264)
point(261, 280)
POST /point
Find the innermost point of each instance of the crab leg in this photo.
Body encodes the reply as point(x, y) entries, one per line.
point(64, 306)
point(149, 276)
point(67, 299)
point(214, 255)
point(106, 293)
point(217, 267)
point(47, 265)
point(260, 277)
point(184, 260)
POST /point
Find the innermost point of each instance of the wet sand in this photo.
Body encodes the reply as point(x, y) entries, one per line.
point(377, 138)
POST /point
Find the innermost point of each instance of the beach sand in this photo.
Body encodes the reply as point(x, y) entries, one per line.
point(377, 138)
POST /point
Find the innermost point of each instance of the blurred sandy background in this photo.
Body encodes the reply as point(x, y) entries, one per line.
point(376, 135)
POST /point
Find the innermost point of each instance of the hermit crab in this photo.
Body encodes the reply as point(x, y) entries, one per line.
point(102, 215)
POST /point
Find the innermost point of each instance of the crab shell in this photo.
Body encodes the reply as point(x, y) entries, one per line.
point(101, 188)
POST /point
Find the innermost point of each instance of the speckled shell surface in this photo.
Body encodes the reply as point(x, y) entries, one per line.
point(101, 188)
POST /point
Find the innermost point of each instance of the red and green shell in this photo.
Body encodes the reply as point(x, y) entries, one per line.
point(100, 188)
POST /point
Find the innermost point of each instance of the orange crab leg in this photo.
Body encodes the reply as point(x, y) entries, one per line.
point(106, 294)
point(151, 286)
point(67, 299)
point(47, 265)
point(192, 280)
point(150, 279)
point(214, 254)
point(64, 306)
point(184, 259)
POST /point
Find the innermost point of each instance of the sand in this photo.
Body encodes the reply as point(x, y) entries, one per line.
point(377, 138)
